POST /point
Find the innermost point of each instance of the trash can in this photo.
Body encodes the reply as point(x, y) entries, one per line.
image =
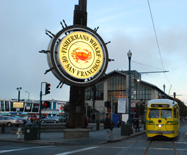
point(97, 125)
point(125, 129)
point(31, 132)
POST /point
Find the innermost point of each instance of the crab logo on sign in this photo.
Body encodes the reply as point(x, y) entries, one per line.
point(83, 55)
point(79, 58)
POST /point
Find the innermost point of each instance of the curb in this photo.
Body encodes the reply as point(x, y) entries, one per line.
point(35, 142)
point(124, 138)
point(41, 142)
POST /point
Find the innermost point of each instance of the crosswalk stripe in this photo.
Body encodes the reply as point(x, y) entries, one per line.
point(21, 149)
point(75, 151)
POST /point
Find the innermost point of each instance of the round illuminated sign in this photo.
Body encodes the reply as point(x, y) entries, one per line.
point(78, 56)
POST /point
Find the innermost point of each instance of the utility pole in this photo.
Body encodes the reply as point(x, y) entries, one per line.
point(94, 95)
point(19, 89)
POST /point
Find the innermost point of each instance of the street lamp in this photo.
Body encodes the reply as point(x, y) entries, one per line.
point(28, 95)
point(129, 54)
point(164, 86)
point(19, 88)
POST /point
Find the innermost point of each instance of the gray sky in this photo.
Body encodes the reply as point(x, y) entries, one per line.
point(126, 23)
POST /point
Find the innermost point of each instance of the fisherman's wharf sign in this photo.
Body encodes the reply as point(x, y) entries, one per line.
point(77, 56)
point(80, 55)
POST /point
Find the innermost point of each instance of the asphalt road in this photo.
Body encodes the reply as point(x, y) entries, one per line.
point(134, 146)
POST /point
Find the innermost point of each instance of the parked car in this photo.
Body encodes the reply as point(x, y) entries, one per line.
point(26, 118)
point(50, 120)
point(9, 121)
point(21, 118)
point(33, 118)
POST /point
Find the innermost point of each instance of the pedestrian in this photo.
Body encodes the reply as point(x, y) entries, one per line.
point(137, 124)
point(86, 122)
point(108, 125)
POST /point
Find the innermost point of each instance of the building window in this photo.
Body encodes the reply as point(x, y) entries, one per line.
point(142, 92)
point(6, 105)
point(35, 107)
point(2, 106)
point(11, 105)
point(99, 94)
point(115, 95)
point(116, 88)
point(116, 83)
point(88, 94)
point(28, 107)
point(100, 91)
point(148, 94)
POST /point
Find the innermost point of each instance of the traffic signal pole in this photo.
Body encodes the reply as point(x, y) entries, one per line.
point(47, 91)
point(40, 110)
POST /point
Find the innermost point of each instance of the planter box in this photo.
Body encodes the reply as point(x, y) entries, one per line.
point(76, 133)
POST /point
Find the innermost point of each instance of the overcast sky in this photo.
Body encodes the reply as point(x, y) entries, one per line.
point(126, 23)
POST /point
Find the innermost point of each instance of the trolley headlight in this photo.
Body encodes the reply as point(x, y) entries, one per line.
point(160, 125)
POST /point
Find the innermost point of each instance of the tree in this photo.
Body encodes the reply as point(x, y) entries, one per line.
point(183, 108)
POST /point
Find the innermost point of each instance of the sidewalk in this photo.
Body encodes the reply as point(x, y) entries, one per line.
point(57, 138)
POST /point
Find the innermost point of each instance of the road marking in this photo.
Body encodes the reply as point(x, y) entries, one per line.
point(181, 142)
point(75, 151)
point(14, 150)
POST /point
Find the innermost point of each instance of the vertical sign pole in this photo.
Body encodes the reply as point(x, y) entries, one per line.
point(40, 111)
point(77, 94)
point(111, 106)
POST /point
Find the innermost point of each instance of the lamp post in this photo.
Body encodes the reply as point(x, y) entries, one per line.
point(18, 109)
point(28, 95)
point(19, 88)
point(164, 86)
point(129, 54)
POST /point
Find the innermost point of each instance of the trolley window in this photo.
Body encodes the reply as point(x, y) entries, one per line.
point(154, 113)
point(166, 113)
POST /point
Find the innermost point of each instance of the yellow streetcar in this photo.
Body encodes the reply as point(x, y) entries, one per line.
point(162, 118)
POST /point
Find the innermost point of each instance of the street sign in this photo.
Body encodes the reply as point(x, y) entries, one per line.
point(17, 104)
point(122, 105)
point(125, 117)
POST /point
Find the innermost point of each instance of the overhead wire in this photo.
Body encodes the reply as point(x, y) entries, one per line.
point(157, 42)
point(147, 65)
point(155, 34)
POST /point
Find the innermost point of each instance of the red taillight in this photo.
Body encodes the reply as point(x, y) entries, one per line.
point(17, 121)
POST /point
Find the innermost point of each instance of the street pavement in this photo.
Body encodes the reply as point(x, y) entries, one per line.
point(57, 138)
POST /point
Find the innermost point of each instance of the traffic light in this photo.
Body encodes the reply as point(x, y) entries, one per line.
point(108, 104)
point(47, 104)
point(47, 88)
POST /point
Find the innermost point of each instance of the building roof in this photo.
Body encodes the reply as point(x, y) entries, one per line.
point(136, 74)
